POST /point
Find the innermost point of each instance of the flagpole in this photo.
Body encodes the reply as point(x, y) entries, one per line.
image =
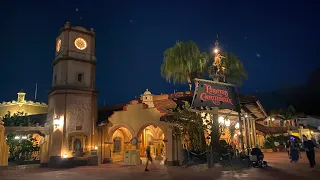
point(36, 91)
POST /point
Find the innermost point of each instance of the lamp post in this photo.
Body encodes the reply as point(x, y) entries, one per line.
point(217, 74)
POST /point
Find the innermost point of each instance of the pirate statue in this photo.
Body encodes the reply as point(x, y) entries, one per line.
point(217, 70)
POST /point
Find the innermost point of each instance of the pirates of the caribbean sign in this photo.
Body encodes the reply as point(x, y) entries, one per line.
point(214, 94)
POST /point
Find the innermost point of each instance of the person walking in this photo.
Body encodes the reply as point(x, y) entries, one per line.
point(294, 152)
point(288, 144)
point(149, 158)
point(309, 147)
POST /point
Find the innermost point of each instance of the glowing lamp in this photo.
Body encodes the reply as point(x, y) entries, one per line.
point(227, 122)
point(56, 122)
point(17, 137)
point(216, 50)
point(65, 155)
point(221, 120)
point(311, 132)
point(24, 137)
point(96, 147)
point(237, 126)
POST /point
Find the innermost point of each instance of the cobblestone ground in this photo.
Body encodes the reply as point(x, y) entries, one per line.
point(280, 168)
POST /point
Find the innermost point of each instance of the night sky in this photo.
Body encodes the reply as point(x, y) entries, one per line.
point(277, 42)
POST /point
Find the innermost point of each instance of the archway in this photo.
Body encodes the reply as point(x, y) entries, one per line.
point(153, 136)
point(120, 140)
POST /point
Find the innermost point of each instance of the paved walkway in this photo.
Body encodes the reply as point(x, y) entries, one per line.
point(281, 168)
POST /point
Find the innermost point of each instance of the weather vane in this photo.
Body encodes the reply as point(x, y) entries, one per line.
point(217, 69)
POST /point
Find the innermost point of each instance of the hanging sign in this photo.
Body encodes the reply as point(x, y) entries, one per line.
point(215, 94)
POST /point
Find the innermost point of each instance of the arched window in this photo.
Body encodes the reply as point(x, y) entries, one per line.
point(117, 144)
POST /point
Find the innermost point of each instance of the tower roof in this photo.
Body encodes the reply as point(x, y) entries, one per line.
point(147, 92)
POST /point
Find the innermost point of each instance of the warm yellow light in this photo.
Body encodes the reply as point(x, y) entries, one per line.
point(216, 50)
point(221, 120)
point(65, 155)
point(80, 43)
point(58, 45)
point(57, 122)
point(237, 126)
point(227, 122)
point(96, 147)
point(239, 132)
point(311, 132)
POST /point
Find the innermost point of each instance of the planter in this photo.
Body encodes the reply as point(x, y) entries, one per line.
point(59, 162)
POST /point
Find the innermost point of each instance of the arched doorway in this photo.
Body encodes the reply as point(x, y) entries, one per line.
point(120, 140)
point(152, 136)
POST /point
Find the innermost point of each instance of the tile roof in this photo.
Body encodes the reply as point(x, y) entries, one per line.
point(163, 102)
point(271, 130)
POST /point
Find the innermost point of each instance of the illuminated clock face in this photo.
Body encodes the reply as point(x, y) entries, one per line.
point(58, 45)
point(80, 43)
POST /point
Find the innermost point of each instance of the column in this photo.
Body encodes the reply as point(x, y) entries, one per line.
point(245, 136)
point(4, 148)
point(254, 132)
point(107, 146)
point(44, 153)
point(249, 132)
point(174, 151)
point(246, 120)
point(241, 132)
point(179, 150)
point(169, 148)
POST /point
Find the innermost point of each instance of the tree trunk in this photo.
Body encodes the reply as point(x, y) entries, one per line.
point(189, 82)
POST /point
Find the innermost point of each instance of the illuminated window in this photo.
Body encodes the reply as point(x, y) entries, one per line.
point(117, 144)
point(80, 77)
point(58, 45)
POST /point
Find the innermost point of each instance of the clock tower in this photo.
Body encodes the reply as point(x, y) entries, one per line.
point(72, 104)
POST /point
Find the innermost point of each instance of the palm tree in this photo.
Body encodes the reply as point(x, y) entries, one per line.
point(183, 62)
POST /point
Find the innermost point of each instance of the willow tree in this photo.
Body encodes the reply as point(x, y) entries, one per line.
point(183, 62)
point(189, 125)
